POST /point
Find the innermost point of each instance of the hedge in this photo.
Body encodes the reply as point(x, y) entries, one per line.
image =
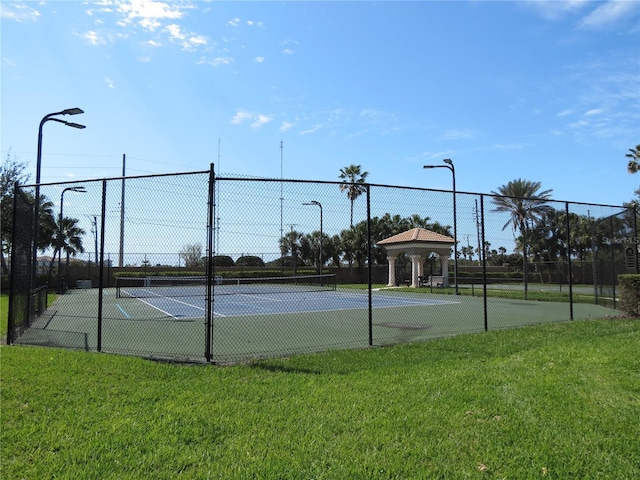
point(630, 294)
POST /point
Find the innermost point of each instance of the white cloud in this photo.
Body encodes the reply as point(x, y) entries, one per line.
point(286, 126)
point(188, 41)
point(163, 19)
point(94, 38)
point(578, 124)
point(150, 24)
point(216, 62)
point(261, 120)
point(259, 59)
point(593, 111)
point(287, 51)
point(556, 10)
point(234, 22)
point(313, 129)
point(174, 31)
point(565, 112)
point(371, 115)
point(149, 10)
point(257, 119)
point(18, 12)
point(197, 40)
point(609, 13)
point(596, 14)
point(240, 117)
point(109, 83)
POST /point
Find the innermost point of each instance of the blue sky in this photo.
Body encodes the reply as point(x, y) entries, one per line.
point(547, 91)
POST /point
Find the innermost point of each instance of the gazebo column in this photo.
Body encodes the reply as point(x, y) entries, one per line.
point(392, 271)
point(444, 268)
point(415, 270)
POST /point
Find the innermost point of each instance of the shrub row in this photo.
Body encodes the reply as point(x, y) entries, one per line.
point(630, 294)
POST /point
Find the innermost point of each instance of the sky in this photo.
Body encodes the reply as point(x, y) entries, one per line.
point(545, 91)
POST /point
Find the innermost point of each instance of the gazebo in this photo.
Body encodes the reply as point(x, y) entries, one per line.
point(418, 243)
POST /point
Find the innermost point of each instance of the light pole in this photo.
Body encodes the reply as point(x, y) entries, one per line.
point(449, 165)
point(61, 289)
point(36, 213)
point(314, 202)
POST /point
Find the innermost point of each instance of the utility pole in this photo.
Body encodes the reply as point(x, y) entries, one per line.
point(95, 235)
point(217, 195)
point(121, 256)
point(281, 200)
point(480, 247)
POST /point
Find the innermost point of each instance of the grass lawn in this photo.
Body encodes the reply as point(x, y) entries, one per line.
point(551, 401)
point(4, 307)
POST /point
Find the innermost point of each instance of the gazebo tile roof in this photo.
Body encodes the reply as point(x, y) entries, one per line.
point(417, 235)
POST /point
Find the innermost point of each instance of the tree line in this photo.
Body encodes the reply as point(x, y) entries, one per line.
point(63, 235)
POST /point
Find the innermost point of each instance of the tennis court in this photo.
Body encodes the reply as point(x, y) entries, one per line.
point(193, 307)
point(249, 325)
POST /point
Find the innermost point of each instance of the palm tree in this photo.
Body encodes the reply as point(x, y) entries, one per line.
point(48, 226)
point(634, 159)
point(526, 205)
point(290, 243)
point(353, 183)
point(68, 239)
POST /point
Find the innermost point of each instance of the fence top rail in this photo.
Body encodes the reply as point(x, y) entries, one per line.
point(316, 182)
point(405, 187)
point(110, 179)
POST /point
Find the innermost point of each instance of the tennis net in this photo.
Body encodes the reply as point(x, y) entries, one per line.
point(196, 286)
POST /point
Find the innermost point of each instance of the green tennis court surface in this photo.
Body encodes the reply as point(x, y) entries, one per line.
point(258, 325)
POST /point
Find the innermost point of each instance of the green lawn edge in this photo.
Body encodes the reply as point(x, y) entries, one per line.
point(547, 401)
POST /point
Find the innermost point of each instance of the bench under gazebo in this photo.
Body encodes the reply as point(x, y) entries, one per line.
point(418, 243)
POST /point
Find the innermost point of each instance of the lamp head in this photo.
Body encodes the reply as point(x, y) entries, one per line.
point(75, 125)
point(448, 161)
point(72, 111)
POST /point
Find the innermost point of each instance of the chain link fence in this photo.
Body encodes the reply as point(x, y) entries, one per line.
point(196, 267)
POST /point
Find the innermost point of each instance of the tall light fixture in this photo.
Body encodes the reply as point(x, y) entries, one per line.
point(80, 189)
point(36, 219)
point(449, 164)
point(315, 202)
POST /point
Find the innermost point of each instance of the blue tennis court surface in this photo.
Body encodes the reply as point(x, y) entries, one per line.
point(243, 304)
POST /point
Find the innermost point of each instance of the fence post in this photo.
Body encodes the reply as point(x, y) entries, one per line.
point(369, 269)
point(210, 265)
point(12, 274)
point(101, 267)
point(613, 262)
point(484, 265)
point(635, 236)
point(566, 208)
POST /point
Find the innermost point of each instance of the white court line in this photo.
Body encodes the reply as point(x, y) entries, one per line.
point(177, 301)
point(401, 301)
point(259, 297)
point(156, 308)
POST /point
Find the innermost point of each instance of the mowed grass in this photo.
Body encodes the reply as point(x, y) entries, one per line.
point(4, 309)
point(552, 401)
